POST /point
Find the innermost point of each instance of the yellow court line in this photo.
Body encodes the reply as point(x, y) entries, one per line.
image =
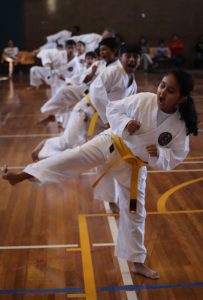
point(194, 157)
point(172, 212)
point(100, 215)
point(88, 271)
point(76, 295)
point(161, 205)
point(148, 213)
point(73, 249)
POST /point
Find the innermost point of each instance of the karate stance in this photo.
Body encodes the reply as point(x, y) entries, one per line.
point(146, 128)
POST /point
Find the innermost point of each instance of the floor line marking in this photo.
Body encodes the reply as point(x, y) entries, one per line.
point(103, 244)
point(123, 265)
point(73, 249)
point(193, 162)
point(38, 247)
point(194, 157)
point(150, 286)
point(173, 212)
point(161, 204)
point(41, 291)
point(76, 296)
point(175, 171)
point(88, 271)
point(149, 213)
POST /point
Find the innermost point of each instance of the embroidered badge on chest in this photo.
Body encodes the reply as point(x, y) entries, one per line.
point(165, 138)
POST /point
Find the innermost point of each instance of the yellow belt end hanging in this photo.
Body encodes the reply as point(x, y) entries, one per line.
point(93, 121)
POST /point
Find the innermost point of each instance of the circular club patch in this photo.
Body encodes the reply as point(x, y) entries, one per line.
point(165, 138)
point(70, 69)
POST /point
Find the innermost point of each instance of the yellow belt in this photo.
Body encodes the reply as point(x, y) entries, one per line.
point(93, 120)
point(136, 162)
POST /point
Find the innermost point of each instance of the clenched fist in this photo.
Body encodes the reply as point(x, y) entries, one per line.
point(152, 150)
point(132, 126)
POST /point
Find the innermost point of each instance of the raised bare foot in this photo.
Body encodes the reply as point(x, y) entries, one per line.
point(12, 178)
point(114, 207)
point(45, 121)
point(31, 87)
point(36, 151)
point(141, 269)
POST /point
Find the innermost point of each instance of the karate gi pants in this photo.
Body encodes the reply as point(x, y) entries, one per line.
point(72, 162)
point(63, 101)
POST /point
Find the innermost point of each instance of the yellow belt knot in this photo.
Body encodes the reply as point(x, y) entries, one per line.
point(126, 155)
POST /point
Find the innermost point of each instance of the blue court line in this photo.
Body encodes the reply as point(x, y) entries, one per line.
point(150, 286)
point(42, 291)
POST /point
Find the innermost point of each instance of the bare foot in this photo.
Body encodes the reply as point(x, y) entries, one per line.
point(45, 121)
point(141, 269)
point(31, 87)
point(36, 150)
point(114, 207)
point(12, 178)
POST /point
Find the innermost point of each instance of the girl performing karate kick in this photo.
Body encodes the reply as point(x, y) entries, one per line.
point(145, 129)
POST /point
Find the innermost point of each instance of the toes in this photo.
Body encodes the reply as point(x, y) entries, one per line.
point(4, 169)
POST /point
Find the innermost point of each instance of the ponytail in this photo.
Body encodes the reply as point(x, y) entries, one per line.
point(188, 114)
point(186, 109)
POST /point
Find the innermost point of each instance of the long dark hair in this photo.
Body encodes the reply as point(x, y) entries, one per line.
point(187, 109)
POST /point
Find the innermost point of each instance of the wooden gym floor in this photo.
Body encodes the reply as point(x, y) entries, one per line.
point(56, 242)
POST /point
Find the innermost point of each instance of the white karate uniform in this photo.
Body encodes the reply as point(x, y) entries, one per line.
point(52, 60)
point(60, 37)
point(63, 101)
point(110, 85)
point(91, 40)
point(67, 71)
point(71, 162)
point(81, 62)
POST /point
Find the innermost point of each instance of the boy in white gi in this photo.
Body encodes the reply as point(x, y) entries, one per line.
point(80, 49)
point(145, 129)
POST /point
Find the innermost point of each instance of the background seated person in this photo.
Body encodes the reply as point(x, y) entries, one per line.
point(162, 53)
point(145, 55)
point(10, 55)
point(176, 46)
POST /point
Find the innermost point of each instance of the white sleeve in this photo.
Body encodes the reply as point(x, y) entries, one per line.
point(99, 92)
point(120, 112)
point(44, 55)
point(61, 34)
point(170, 157)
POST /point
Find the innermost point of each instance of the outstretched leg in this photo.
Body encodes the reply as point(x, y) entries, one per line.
point(36, 150)
point(47, 120)
point(14, 178)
